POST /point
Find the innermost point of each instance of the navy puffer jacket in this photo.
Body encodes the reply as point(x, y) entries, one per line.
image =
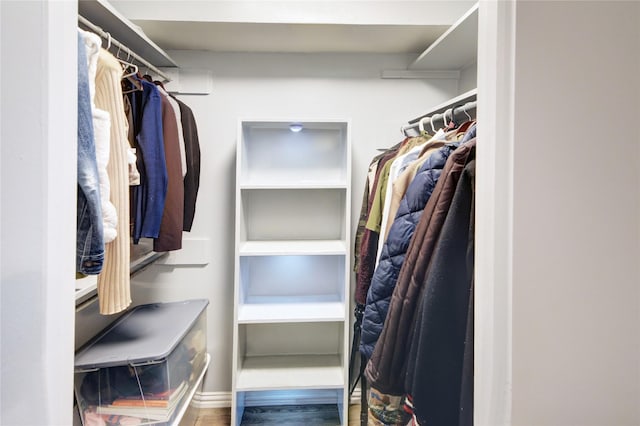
point(394, 249)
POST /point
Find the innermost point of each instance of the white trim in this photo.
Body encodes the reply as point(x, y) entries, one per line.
point(494, 214)
point(211, 400)
point(355, 396)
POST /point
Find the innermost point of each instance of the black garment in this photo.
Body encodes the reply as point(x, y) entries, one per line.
point(466, 389)
point(192, 152)
point(439, 376)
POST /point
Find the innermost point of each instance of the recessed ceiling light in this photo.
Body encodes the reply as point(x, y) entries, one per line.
point(296, 127)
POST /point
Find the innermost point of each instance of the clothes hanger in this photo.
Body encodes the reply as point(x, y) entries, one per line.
point(464, 109)
point(421, 129)
point(147, 76)
point(128, 65)
point(462, 128)
point(445, 120)
point(108, 41)
point(451, 124)
point(136, 86)
point(453, 111)
point(124, 63)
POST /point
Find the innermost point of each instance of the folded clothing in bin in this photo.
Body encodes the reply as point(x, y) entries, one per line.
point(109, 384)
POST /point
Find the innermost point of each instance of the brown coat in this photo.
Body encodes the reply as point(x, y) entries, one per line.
point(170, 236)
point(387, 366)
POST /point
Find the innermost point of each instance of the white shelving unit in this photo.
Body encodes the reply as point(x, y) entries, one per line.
point(291, 316)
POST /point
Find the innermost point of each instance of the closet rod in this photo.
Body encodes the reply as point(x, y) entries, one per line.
point(105, 35)
point(462, 99)
point(461, 109)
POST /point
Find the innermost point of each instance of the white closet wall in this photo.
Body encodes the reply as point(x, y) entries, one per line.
point(468, 78)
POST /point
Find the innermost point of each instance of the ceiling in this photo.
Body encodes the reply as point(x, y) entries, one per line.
point(294, 26)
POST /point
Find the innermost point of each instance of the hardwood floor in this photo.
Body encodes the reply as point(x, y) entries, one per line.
point(213, 417)
point(222, 417)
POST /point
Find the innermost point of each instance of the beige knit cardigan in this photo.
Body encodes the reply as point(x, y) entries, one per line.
point(114, 293)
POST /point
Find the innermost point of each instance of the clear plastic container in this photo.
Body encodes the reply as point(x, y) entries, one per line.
point(140, 369)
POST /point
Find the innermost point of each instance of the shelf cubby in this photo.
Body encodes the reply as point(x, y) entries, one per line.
point(291, 355)
point(292, 214)
point(275, 156)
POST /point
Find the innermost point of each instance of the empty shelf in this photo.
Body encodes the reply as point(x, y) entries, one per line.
point(290, 372)
point(293, 247)
point(290, 312)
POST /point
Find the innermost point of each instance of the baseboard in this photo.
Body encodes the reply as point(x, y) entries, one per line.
point(211, 400)
point(223, 399)
point(355, 396)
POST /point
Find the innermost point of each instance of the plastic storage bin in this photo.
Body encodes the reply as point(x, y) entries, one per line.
point(141, 369)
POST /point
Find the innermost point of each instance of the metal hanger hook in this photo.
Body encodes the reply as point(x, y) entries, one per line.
point(464, 109)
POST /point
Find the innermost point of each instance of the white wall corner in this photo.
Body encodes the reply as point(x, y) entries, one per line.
point(189, 81)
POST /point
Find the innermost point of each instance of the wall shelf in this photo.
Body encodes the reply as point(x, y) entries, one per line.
point(138, 265)
point(292, 248)
point(142, 256)
point(283, 184)
point(456, 49)
point(104, 15)
point(256, 313)
point(290, 372)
